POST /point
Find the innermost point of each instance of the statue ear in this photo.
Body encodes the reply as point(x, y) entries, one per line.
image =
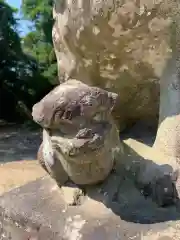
point(113, 99)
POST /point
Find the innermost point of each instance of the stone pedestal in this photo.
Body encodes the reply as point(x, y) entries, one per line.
point(39, 210)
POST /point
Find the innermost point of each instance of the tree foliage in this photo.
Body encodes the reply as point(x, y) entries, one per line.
point(11, 54)
point(38, 43)
point(21, 80)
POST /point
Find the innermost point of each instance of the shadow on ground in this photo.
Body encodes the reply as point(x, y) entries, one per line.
point(140, 132)
point(17, 143)
point(124, 196)
point(127, 200)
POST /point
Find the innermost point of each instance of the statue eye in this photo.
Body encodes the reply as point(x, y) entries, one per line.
point(68, 115)
point(58, 114)
point(74, 111)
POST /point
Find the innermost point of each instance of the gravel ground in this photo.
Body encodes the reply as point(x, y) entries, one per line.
point(18, 164)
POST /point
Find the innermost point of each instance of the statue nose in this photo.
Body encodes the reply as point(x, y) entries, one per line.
point(37, 113)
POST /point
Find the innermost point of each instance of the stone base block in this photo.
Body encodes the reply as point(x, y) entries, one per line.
point(109, 211)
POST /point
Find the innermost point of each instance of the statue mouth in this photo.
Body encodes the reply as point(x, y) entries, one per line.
point(86, 140)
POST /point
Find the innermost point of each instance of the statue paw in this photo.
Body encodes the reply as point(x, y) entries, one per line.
point(163, 191)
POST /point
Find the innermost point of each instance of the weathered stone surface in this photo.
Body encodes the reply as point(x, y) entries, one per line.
point(79, 136)
point(56, 170)
point(153, 177)
point(122, 46)
point(38, 211)
point(168, 134)
point(151, 170)
point(73, 195)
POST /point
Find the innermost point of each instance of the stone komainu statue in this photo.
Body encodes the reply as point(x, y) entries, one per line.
point(79, 136)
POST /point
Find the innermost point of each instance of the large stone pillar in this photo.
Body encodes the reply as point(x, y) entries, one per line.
point(168, 134)
point(121, 46)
